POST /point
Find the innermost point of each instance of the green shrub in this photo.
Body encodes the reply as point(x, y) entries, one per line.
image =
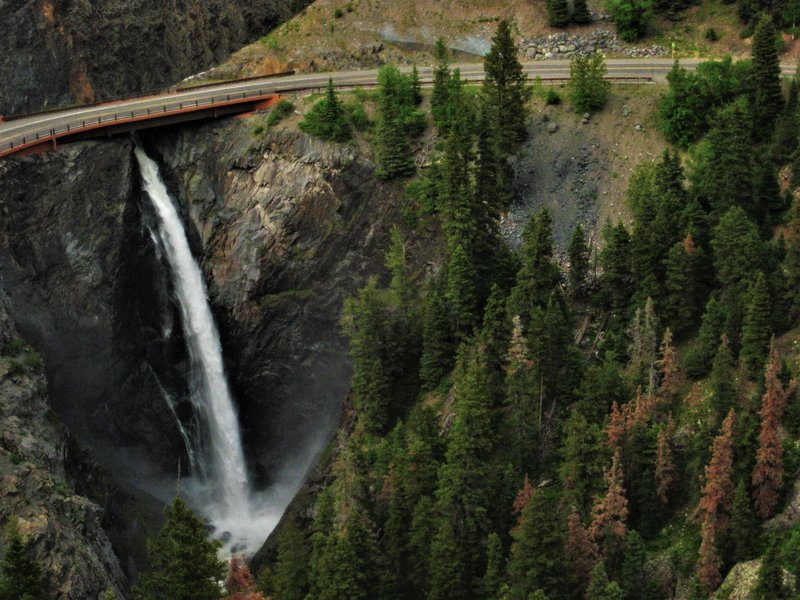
point(280, 111)
point(32, 361)
point(349, 7)
point(15, 458)
point(588, 86)
point(632, 17)
point(358, 115)
point(711, 34)
point(338, 13)
point(16, 368)
point(15, 347)
point(552, 98)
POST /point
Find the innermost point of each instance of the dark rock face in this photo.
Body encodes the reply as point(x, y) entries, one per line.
point(63, 528)
point(285, 228)
point(61, 51)
point(87, 291)
point(288, 227)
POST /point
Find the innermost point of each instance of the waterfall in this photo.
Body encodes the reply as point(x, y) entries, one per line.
point(223, 470)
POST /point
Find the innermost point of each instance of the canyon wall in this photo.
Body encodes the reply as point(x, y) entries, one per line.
point(55, 52)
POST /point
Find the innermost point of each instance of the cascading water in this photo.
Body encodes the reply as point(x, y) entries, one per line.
point(220, 488)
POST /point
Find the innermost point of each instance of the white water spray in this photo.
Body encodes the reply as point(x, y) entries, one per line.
point(220, 489)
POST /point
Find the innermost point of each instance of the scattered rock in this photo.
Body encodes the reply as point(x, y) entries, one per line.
point(565, 45)
point(637, 127)
point(626, 111)
point(552, 127)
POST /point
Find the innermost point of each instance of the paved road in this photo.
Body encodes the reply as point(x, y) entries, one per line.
point(14, 131)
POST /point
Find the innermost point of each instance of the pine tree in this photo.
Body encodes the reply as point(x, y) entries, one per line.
point(581, 553)
point(738, 251)
point(416, 85)
point(537, 556)
point(610, 513)
point(768, 472)
point(240, 585)
point(495, 567)
point(495, 335)
point(20, 575)
point(724, 176)
point(463, 494)
point(393, 151)
point(183, 562)
point(668, 368)
point(699, 357)
point(633, 577)
point(616, 282)
point(644, 345)
point(539, 273)
point(666, 474)
point(715, 505)
point(441, 79)
point(520, 399)
point(363, 322)
point(744, 527)
point(756, 328)
point(770, 584)
point(791, 263)
point(580, 13)
point(581, 469)
point(291, 568)
point(578, 254)
point(723, 385)
point(437, 342)
point(327, 119)
point(684, 286)
point(601, 588)
point(557, 13)
point(505, 89)
point(767, 76)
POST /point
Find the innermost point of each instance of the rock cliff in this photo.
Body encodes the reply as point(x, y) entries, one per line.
point(60, 51)
point(63, 528)
point(285, 228)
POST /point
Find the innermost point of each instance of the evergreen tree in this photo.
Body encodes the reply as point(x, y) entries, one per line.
point(724, 173)
point(291, 568)
point(744, 526)
point(581, 468)
point(441, 83)
point(505, 89)
point(557, 13)
point(416, 85)
point(363, 321)
point(589, 88)
point(539, 273)
point(183, 562)
point(392, 148)
point(326, 119)
point(770, 584)
point(495, 566)
point(767, 77)
point(738, 251)
point(616, 282)
point(666, 473)
point(684, 286)
point(723, 386)
point(791, 263)
point(715, 506)
point(21, 575)
point(578, 254)
point(610, 514)
point(580, 13)
point(463, 494)
point(520, 399)
point(581, 553)
point(768, 472)
point(756, 328)
point(495, 335)
point(437, 343)
point(240, 585)
point(537, 556)
point(601, 588)
point(633, 577)
point(702, 352)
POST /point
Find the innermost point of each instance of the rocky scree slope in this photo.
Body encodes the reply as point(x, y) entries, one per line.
point(62, 51)
point(63, 528)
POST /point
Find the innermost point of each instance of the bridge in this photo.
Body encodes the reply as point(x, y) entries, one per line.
point(42, 131)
